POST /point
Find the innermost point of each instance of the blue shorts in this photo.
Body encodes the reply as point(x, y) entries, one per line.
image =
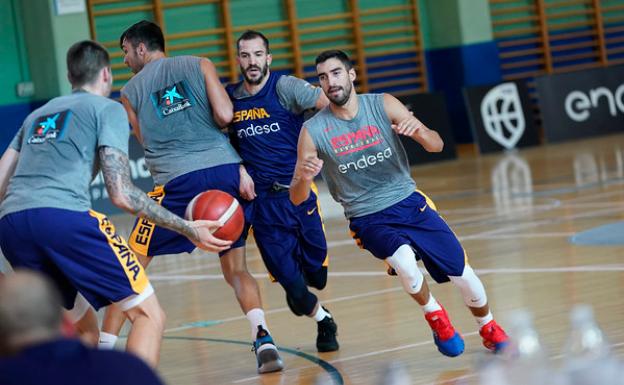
point(291, 239)
point(415, 222)
point(148, 239)
point(79, 250)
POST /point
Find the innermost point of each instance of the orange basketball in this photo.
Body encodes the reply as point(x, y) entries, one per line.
point(218, 205)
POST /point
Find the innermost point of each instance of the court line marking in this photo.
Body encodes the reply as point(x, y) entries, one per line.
point(486, 235)
point(512, 270)
point(286, 309)
point(364, 355)
point(345, 242)
point(584, 268)
point(453, 380)
point(333, 373)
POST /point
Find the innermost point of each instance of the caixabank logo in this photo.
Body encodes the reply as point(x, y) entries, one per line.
point(172, 99)
point(49, 127)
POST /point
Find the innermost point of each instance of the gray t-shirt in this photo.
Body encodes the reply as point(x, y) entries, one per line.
point(178, 131)
point(295, 95)
point(365, 165)
point(58, 146)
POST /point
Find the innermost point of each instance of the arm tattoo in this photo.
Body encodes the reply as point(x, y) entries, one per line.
point(116, 172)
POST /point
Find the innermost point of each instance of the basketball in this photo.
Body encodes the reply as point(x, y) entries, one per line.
point(218, 205)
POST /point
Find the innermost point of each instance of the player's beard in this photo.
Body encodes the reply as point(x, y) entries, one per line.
point(341, 99)
point(263, 72)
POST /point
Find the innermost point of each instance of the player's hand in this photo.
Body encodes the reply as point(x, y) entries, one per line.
point(310, 167)
point(246, 186)
point(408, 126)
point(203, 238)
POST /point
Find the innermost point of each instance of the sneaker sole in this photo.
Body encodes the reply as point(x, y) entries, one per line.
point(495, 347)
point(452, 347)
point(271, 361)
point(327, 348)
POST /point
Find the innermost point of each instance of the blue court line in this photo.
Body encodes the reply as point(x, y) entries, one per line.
point(331, 370)
point(611, 234)
point(201, 324)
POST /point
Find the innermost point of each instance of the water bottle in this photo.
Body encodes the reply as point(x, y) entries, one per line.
point(587, 358)
point(525, 359)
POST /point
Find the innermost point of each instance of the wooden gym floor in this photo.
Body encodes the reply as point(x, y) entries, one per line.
point(515, 214)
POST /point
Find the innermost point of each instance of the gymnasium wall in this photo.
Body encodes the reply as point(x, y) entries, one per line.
point(437, 45)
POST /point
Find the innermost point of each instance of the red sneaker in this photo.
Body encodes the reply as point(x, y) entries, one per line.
point(447, 339)
point(494, 337)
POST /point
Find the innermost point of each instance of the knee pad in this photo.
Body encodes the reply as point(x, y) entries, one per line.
point(403, 261)
point(317, 279)
point(300, 300)
point(471, 288)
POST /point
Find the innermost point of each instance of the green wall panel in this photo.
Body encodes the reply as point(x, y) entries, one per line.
point(13, 60)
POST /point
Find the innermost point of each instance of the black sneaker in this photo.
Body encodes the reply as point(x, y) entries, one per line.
point(267, 355)
point(326, 339)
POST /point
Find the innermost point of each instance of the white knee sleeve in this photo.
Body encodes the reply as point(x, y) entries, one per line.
point(404, 263)
point(471, 288)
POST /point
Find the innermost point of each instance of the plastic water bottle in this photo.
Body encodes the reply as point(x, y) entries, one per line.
point(587, 358)
point(395, 374)
point(525, 360)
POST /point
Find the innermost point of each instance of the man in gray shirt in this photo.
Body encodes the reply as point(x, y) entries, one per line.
point(268, 113)
point(354, 142)
point(177, 107)
point(46, 222)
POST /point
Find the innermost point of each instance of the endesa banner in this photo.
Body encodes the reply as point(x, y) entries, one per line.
point(582, 104)
point(431, 110)
point(500, 116)
point(138, 172)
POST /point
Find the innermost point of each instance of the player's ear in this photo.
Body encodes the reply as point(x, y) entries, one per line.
point(269, 59)
point(352, 74)
point(141, 49)
point(107, 73)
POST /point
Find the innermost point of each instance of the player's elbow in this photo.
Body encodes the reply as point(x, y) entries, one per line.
point(437, 146)
point(120, 200)
point(223, 116)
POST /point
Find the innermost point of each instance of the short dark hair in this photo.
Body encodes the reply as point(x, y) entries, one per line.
point(334, 54)
point(29, 303)
point(250, 35)
point(144, 32)
point(85, 59)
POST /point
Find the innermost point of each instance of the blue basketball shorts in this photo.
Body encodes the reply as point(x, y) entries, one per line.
point(79, 251)
point(291, 239)
point(413, 221)
point(148, 239)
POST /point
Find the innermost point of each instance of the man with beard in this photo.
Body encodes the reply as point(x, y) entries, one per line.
point(268, 113)
point(355, 143)
point(177, 107)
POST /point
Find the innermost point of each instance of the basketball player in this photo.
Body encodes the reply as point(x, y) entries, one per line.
point(177, 107)
point(268, 113)
point(354, 141)
point(46, 223)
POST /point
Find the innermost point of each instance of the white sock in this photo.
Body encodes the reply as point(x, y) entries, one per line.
point(432, 305)
point(256, 317)
point(107, 341)
point(320, 314)
point(482, 321)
